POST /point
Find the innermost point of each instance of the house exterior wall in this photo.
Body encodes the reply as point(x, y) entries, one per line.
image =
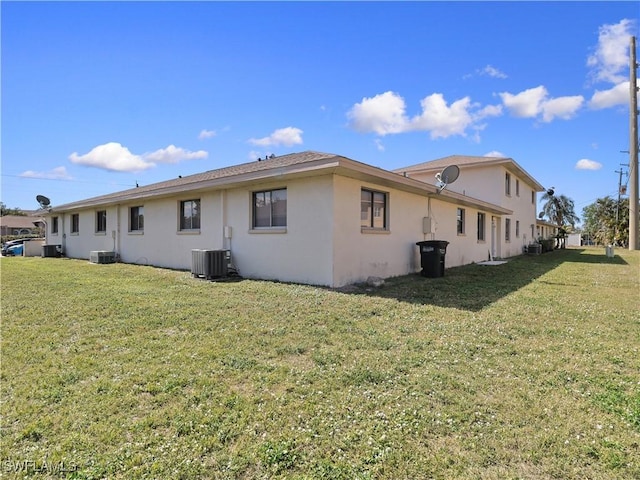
point(488, 183)
point(323, 242)
point(360, 253)
point(299, 253)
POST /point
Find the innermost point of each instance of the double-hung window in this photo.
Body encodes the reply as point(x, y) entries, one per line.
point(482, 219)
point(101, 221)
point(54, 225)
point(75, 223)
point(136, 219)
point(507, 184)
point(373, 209)
point(190, 215)
point(507, 230)
point(460, 221)
point(270, 208)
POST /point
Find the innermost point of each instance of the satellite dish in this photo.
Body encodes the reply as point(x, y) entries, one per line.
point(43, 201)
point(541, 215)
point(448, 175)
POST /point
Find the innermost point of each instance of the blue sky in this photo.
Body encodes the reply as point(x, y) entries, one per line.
point(98, 96)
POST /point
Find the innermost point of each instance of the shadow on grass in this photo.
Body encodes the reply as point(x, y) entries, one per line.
point(473, 287)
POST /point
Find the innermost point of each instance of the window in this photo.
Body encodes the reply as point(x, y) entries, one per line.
point(190, 215)
point(533, 197)
point(481, 226)
point(75, 223)
point(507, 230)
point(373, 209)
point(101, 221)
point(136, 219)
point(54, 225)
point(517, 187)
point(507, 183)
point(517, 228)
point(460, 221)
point(270, 208)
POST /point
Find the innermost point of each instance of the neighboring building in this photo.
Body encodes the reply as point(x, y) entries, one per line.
point(20, 225)
point(500, 181)
point(574, 240)
point(545, 229)
point(309, 217)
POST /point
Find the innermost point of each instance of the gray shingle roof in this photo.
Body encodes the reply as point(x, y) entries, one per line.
point(468, 161)
point(192, 181)
point(460, 160)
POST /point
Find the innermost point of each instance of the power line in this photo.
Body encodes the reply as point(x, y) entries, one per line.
point(72, 180)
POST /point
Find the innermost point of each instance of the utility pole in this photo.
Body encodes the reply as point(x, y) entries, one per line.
point(620, 192)
point(633, 148)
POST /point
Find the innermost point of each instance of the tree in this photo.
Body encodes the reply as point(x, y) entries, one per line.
point(607, 221)
point(10, 211)
point(559, 209)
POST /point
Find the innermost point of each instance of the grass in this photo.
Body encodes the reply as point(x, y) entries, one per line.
point(525, 370)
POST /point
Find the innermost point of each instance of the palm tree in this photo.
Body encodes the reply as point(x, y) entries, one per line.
point(559, 209)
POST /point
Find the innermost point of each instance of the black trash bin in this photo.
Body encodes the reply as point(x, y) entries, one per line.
point(432, 253)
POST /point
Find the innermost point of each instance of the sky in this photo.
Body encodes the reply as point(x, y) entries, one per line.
point(99, 96)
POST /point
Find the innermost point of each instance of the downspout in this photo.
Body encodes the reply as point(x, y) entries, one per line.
point(63, 245)
point(116, 234)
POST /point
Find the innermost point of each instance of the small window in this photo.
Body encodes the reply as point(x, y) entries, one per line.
point(75, 223)
point(482, 218)
point(54, 225)
point(517, 228)
point(270, 208)
point(533, 197)
point(460, 221)
point(101, 221)
point(507, 230)
point(373, 209)
point(507, 183)
point(136, 219)
point(190, 215)
point(517, 187)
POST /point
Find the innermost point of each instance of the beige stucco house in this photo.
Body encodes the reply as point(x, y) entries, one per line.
point(500, 181)
point(19, 225)
point(308, 217)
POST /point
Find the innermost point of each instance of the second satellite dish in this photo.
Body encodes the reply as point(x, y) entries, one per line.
point(448, 175)
point(44, 202)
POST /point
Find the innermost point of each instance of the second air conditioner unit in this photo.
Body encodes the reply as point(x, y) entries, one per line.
point(210, 264)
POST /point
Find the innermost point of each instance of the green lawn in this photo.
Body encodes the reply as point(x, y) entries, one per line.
point(526, 370)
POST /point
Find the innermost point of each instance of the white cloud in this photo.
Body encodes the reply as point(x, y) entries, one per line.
point(441, 120)
point(379, 144)
point(207, 134)
point(173, 154)
point(58, 173)
point(111, 156)
point(610, 58)
point(488, 111)
point(382, 114)
point(492, 72)
point(534, 102)
point(526, 104)
point(495, 154)
point(561, 107)
point(585, 164)
point(618, 95)
point(386, 114)
point(284, 136)
point(115, 157)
